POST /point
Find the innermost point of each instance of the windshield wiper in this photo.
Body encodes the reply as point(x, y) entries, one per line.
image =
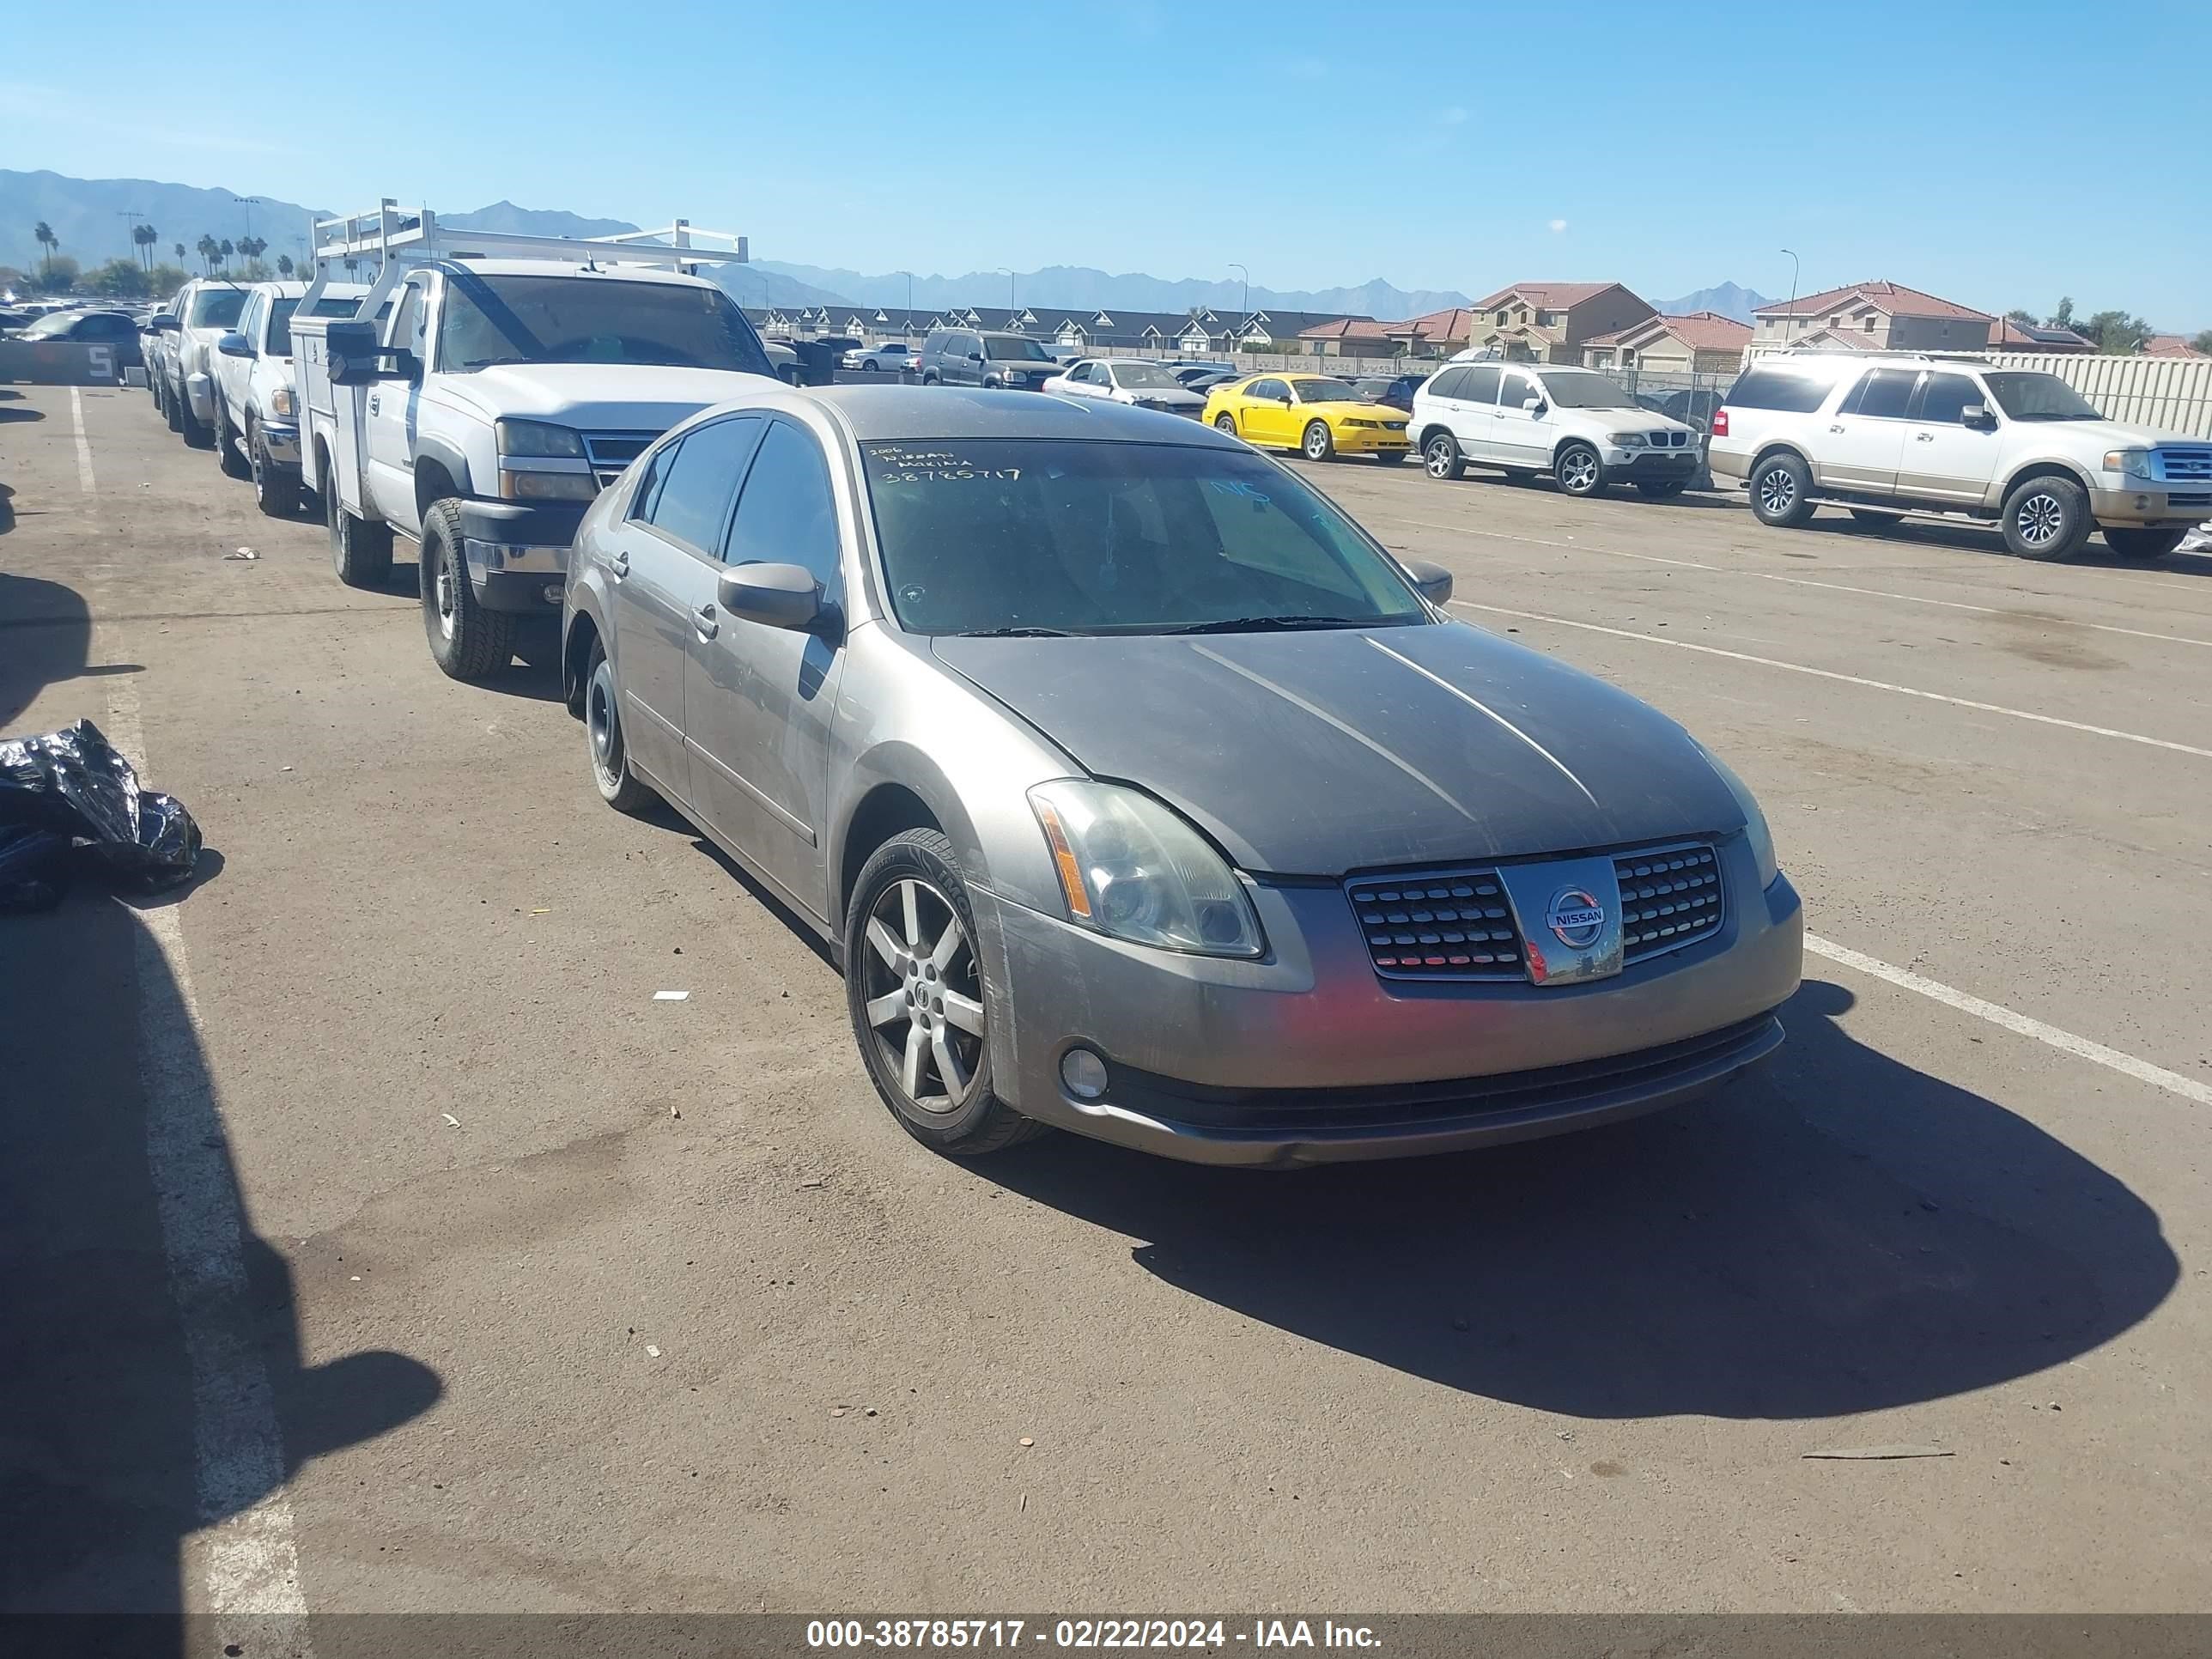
point(1017, 634)
point(1267, 624)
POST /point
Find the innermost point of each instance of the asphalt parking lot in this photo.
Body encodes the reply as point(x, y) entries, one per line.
point(554, 1296)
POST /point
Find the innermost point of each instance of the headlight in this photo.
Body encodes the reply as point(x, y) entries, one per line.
point(537, 438)
point(1754, 821)
point(1625, 440)
point(280, 402)
point(1130, 868)
point(2135, 462)
point(1371, 426)
point(519, 486)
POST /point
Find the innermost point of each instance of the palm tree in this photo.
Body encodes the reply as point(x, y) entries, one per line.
point(252, 246)
point(283, 264)
point(181, 253)
point(46, 239)
point(208, 247)
point(145, 236)
point(227, 250)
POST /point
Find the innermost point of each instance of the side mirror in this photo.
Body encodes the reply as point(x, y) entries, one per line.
point(974, 356)
point(1533, 405)
point(1433, 579)
point(162, 323)
point(775, 595)
point(1977, 414)
point(234, 344)
point(351, 352)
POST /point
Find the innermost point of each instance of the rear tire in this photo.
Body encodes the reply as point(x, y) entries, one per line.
point(1781, 491)
point(2145, 544)
point(228, 455)
point(1225, 422)
point(916, 1017)
point(2047, 519)
point(619, 787)
point(361, 552)
point(276, 488)
point(1316, 443)
point(467, 640)
point(1440, 456)
point(1579, 471)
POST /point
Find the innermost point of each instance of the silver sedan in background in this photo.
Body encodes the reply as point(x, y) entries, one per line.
point(1139, 791)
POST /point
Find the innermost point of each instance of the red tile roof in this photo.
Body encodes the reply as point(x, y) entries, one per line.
point(1455, 324)
point(1701, 331)
point(1546, 296)
point(2169, 345)
point(1343, 328)
point(1891, 297)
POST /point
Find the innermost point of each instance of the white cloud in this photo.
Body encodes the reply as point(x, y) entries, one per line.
point(1558, 225)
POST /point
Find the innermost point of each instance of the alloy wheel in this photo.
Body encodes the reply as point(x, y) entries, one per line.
point(924, 996)
point(1438, 458)
point(1777, 489)
point(2039, 519)
point(1580, 472)
point(1317, 442)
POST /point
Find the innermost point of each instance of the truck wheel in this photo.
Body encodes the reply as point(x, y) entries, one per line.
point(913, 987)
point(361, 552)
point(197, 435)
point(276, 488)
point(1579, 470)
point(227, 454)
point(2140, 543)
point(468, 641)
point(1781, 492)
point(170, 412)
point(618, 786)
point(2047, 518)
point(1441, 458)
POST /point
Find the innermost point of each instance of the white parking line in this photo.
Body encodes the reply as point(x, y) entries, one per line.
point(1794, 581)
point(2082, 1048)
point(83, 447)
point(1847, 679)
point(244, 1555)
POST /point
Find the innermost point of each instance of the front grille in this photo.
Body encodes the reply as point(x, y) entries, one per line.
point(609, 452)
point(1394, 426)
point(1667, 440)
point(1669, 897)
point(2189, 498)
point(1454, 924)
point(2188, 465)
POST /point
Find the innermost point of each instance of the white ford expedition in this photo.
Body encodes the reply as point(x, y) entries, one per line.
point(1888, 434)
point(491, 404)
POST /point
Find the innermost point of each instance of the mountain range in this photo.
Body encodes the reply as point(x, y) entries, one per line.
point(92, 218)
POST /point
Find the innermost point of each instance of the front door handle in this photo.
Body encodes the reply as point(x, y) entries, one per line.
point(620, 565)
point(703, 619)
point(1927, 437)
point(1835, 428)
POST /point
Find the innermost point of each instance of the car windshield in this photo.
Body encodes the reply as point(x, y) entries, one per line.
point(1145, 374)
point(2028, 396)
point(54, 323)
point(1579, 389)
point(1053, 536)
point(1006, 348)
point(1325, 392)
point(216, 307)
point(584, 320)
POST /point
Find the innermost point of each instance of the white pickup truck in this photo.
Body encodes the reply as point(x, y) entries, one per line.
point(492, 386)
point(203, 311)
point(257, 416)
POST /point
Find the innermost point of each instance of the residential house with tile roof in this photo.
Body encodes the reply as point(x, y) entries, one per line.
point(2006, 335)
point(1696, 342)
point(1883, 316)
point(1550, 322)
point(2169, 345)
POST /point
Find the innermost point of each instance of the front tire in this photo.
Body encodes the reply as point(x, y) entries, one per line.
point(228, 455)
point(170, 411)
point(276, 489)
point(1315, 444)
point(468, 641)
point(2140, 543)
point(1579, 470)
point(197, 434)
point(1782, 492)
point(2047, 519)
point(619, 787)
point(915, 991)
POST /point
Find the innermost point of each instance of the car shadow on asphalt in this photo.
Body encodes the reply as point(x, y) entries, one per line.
point(1988, 541)
point(123, 1429)
point(1842, 1233)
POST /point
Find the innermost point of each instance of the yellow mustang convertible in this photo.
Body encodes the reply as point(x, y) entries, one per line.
point(1313, 414)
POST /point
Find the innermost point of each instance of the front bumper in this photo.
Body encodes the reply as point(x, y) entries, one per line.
point(1650, 465)
point(517, 552)
point(1308, 1056)
point(2154, 506)
point(1368, 440)
point(281, 441)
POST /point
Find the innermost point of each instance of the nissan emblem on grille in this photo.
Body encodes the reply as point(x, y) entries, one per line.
point(1575, 919)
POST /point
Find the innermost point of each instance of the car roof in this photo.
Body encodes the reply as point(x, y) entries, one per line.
point(870, 413)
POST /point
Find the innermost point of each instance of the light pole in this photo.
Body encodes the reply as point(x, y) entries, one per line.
point(1010, 293)
point(1792, 313)
point(1245, 310)
point(134, 216)
point(249, 202)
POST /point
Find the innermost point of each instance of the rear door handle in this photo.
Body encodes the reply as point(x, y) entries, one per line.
point(703, 619)
point(1835, 428)
point(1927, 437)
point(620, 565)
point(372, 403)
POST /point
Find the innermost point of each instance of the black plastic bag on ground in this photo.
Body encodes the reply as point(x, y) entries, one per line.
point(74, 786)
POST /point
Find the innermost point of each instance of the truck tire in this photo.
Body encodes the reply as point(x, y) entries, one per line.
point(170, 412)
point(468, 641)
point(361, 552)
point(197, 435)
point(1781, 491)
point(228, 454)
point(2047, 518)
point(276, 487)
point(2137, 542)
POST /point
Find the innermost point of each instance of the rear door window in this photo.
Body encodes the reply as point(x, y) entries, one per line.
point(1883, 395)
point(1480, 386)
point(1769, 388)
point(691, 491)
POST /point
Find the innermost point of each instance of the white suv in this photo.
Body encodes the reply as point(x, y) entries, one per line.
point(1579, 426)
point(1907, 432)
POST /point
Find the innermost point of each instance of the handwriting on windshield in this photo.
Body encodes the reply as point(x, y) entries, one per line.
point(903, 466)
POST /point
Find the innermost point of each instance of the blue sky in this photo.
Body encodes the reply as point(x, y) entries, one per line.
point(1997, 154)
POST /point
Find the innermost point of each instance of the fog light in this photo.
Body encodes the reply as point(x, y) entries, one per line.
point(1084, 1073)
point(552, 593)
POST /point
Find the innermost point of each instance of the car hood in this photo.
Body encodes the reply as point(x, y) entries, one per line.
point(599, 396)
point(2077, 438)
point(1313, 753)
point(1172, 397)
